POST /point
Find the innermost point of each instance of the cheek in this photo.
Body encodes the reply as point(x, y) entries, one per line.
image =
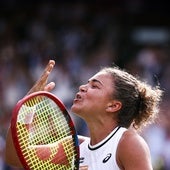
point(93, 102)
point(96, 104)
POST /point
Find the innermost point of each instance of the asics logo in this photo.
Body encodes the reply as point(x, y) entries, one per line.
point(107, 157)
point(81, 160)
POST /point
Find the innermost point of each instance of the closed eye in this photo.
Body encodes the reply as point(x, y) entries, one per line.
point(95, 86)
point(95, 83)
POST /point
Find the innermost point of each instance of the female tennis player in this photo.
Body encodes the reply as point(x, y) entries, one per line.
point(115, 105)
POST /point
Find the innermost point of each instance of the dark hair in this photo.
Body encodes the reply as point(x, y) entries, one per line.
point(140, 101)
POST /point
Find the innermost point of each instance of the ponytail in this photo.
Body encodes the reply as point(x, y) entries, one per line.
point(140, 101)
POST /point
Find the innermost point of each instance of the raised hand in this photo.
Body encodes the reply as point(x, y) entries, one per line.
point(42, 83)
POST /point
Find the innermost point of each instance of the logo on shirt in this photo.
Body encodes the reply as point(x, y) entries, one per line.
point(108, 156)
point(81, 160)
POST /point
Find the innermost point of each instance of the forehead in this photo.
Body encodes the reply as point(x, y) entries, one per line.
point(104, 77)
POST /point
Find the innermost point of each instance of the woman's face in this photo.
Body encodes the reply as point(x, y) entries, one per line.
point(94, 97)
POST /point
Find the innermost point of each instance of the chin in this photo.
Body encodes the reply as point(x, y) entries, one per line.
point(75, 110)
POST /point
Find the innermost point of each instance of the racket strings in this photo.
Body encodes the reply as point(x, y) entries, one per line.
point(42, 122)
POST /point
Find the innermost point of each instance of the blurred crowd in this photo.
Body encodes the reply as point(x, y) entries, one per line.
point(81, 38)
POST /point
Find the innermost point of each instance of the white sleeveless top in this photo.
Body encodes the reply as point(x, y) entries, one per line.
point(101, 156)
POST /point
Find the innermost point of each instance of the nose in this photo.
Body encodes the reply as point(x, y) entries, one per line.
point(83, 88)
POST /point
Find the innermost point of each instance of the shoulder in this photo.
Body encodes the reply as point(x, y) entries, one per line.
point(131, 150)
point(83, 138)
point(131, 136)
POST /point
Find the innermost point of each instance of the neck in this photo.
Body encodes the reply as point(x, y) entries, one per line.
point(99, 131)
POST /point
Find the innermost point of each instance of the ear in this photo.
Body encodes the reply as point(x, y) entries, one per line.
point(113, 106)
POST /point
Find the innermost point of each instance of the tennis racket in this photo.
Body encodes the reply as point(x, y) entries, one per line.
point(43, 133)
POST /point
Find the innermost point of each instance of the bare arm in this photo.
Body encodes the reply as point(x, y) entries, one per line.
point(133, 152)
point(10, 152)
point(41, 84)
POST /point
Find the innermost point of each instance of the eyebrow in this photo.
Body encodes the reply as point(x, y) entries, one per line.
point(95, 80)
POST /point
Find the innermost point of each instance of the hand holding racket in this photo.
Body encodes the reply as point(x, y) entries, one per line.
point(43, 133)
